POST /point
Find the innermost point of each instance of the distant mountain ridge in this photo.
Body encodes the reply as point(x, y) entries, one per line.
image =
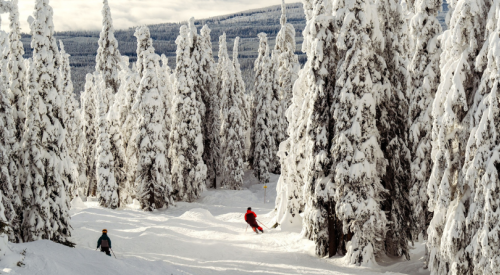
point(82, 45)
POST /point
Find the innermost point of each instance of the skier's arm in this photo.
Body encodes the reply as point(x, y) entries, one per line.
point(98, 242)
point(109, 243)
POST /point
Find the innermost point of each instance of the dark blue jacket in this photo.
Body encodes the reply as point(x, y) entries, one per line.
point(104, 237)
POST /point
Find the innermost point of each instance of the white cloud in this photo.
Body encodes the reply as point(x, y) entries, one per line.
point(86, 14)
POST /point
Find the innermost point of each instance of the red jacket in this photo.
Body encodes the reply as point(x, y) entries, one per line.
point(250, 218)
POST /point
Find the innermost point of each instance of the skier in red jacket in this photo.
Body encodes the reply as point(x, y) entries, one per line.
point(250, 219)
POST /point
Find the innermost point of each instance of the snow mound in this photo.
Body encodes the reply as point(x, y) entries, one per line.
point(77, 204)
point(198, 214)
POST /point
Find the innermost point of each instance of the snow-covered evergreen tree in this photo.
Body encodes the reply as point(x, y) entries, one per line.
point(449, 195)
point(288, 68)
point(206, 86)
point(482, 161)
point(232, 126)
point(123, 120)
point(200, 68)
point(239, 87)
point(107, 188)
point(35, 216)
point(292, 152)
point(358, 161)
point(264, 144)
point(17, 71)
point(166, 92)
point(424, 73)
point(278, 136)
point(261, 133)
point(89, 133)
point(131, 133)
point(144, 41)
point(263, 49)
point(186, 138)
point(117, 116)
point(10, 201)
point(45, 152)
point(153, 177)
point(393, 126)
point(108, 56)
point(71, 122)
point(319, 80)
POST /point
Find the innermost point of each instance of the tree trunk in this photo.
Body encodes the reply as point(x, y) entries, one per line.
point(333, 241)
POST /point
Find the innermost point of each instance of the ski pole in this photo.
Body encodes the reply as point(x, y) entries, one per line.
point(113, 252)
point(262, 224)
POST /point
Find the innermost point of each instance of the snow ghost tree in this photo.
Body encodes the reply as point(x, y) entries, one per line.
point(35, 214)
point(449, 195)
point(358, 161)
point(114, 120)
point(89, 133)
point(206, 86)
point(108, 56)
point(253, 99)
point(9, 193)
point(392, 124)
point(166, 92)
point(107, 188)
point(288, 67)
point(122, 122)
point(239, 87)
point(277, 135)
point(199, 64)
point(482, 162)
point(143, 43)
point(319, 77)
point(71, 121)
point(186, 138)
point(153, 178)
point(17, 72)
point(45, 152)
point(292, 152)
point(424, 73)
point(262, 136)
point(232, 127)
point(128, 118)
point(116, 117)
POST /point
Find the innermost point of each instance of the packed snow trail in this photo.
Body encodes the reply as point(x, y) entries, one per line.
point(205, 237)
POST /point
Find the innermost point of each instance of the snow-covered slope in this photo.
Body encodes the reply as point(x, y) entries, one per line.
point(205, 237)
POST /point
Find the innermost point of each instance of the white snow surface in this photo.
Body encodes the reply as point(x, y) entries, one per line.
point(204, 237)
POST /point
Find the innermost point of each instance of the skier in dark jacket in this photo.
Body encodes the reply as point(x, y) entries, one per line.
point(250, 218)
point(104, 242)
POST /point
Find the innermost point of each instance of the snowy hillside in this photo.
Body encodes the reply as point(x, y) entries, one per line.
point(204, 237)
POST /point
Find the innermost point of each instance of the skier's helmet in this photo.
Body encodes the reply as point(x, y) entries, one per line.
point(105, 231)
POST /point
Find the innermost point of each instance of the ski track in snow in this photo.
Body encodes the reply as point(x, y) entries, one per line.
point(205, 237)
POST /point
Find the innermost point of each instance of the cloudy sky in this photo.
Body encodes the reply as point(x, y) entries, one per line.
point(86, 14)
